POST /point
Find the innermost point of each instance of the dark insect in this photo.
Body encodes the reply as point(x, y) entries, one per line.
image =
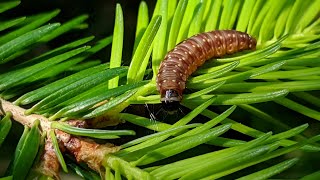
point(187, 56)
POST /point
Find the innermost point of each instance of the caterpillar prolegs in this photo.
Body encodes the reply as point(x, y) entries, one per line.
point(188, 55)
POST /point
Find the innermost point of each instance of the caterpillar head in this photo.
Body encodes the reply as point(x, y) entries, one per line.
point(171, 100)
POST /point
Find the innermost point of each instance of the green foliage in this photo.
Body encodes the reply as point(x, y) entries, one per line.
point(174, 146)
point(271, 171)
point(312, 176)
point(25, 153)
point(142, 23)
point(24, 41)
point(66, 83)
point(34, 35)
point(53, 87)
point(95, 133)
point(84, 173)
point(88, 99)
point(77, 87)
point(14, 78)
point(5, 125)
point(57, 150)
point(8, 5)
point(10, 23)
point(160, 40)
point(142, 53)
point(6, 178)
point(117, 43)
point(99, 111)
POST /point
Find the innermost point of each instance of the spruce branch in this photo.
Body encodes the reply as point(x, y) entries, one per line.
point(18, 114)
point(83, 149)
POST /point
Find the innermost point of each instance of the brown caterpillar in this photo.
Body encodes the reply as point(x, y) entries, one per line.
point(188, 55)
